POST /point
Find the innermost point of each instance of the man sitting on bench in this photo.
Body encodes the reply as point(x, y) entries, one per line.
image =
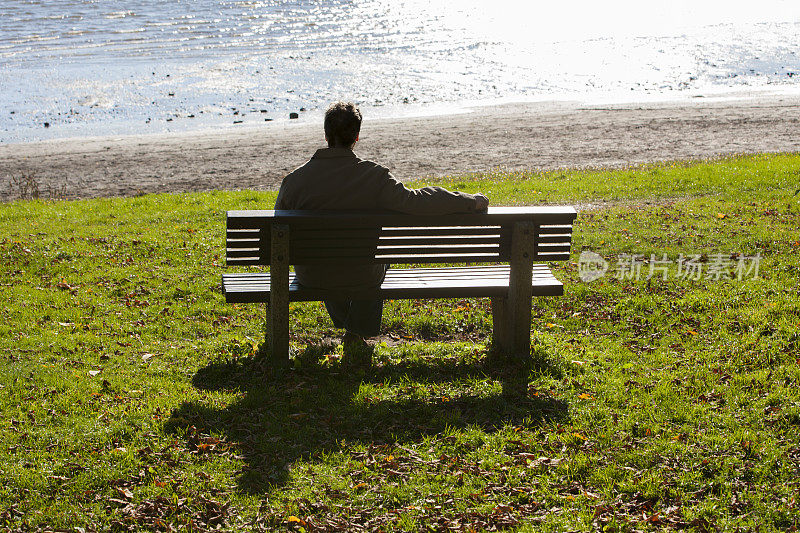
point(336, 179)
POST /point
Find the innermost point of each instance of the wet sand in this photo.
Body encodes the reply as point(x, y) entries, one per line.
point(531, 136)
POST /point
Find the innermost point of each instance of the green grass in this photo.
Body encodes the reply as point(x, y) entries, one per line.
point(132, 397)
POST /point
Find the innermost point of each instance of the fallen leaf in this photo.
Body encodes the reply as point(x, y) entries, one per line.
point(585, 396)
point(721, 215)
point(655, 519)
point(295, 520)
point(125, 493)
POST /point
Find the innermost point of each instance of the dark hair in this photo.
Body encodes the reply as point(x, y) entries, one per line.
point(342, 124)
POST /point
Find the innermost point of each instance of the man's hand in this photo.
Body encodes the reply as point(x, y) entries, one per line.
point(481, 203)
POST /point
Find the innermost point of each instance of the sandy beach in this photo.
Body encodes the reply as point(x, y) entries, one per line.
point(531, 136)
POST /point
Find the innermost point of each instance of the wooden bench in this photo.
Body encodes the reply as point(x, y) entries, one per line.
point(516, 237)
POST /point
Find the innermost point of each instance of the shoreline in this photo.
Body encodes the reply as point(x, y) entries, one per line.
point(522, 136)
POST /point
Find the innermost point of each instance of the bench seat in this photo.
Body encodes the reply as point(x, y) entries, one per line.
point(452, 282)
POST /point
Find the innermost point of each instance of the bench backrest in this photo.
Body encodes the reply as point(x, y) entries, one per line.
point(320, 237)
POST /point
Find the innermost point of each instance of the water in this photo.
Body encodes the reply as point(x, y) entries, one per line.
point(103, 67)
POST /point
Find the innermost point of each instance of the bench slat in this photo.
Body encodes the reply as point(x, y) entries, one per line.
point(401, 283)
point(441, 230)
point(390, 241)
point(390, 231)
point(299, 253)
point(552, 257)
point(551, 230)
point(244, 261)
point(243, 252)
point(248, 219)
point(243, 234)
point(550, 248)
point(243, 243)
point(397, 259)
point(555, 238)
point(474, 274)
point(402, 259)
point(415, 272)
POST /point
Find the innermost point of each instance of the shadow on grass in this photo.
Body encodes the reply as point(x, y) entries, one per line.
point(283, 416)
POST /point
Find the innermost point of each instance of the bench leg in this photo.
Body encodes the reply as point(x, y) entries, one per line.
point(515, 383)
point(511, 339)
point(278, 317)
point(501, 342)
point(278, 335)
point(520, 321)
point(278, 332)
point(519, 289)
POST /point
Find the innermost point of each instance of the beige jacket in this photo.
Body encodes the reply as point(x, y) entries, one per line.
point(335, 178)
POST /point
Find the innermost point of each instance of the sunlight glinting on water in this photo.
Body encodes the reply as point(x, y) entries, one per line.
point(284, 55)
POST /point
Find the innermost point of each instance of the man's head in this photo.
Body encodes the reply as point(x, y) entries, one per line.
point(342, 125)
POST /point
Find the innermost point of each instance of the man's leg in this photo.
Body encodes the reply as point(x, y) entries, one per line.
point(361, 318)
point(364, 318)
point(338, 311)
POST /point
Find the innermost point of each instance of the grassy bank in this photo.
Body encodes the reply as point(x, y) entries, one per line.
point(132, 398)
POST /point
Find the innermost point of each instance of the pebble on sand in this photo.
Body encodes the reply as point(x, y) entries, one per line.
point(294, 115)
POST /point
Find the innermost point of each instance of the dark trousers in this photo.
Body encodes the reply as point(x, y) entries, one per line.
point(362, 317)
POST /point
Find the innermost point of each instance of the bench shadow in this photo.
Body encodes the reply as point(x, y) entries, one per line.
point(283, 416)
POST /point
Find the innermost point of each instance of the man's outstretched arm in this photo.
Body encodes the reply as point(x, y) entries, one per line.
point(429, 200)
